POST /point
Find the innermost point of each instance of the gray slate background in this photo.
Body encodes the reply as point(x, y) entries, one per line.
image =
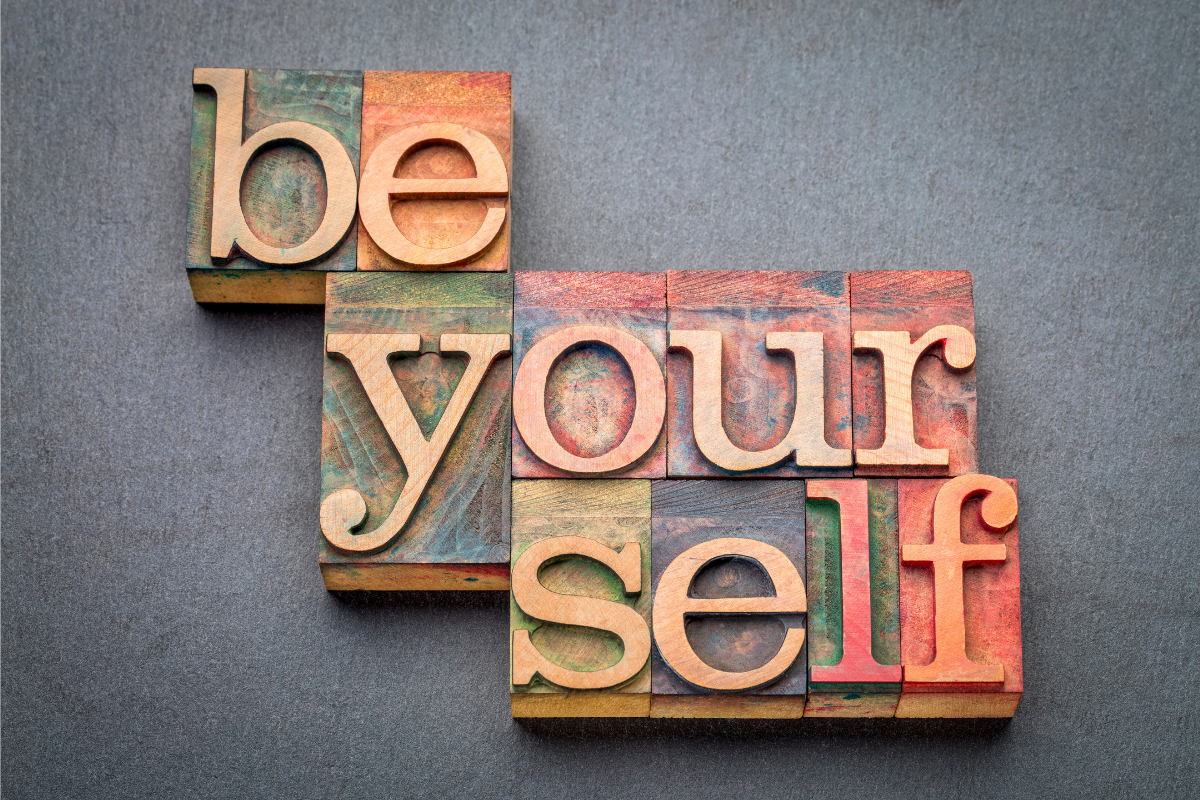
point(165, 630)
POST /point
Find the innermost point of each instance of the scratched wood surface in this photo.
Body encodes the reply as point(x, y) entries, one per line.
point(590, 398)
point(613, 513)
point(857, 690)
point(283, 190)
point(943, 400)
point(458, 534)
point(686, 513)
point(759, 390)
point(991, 611)
point(481, 101)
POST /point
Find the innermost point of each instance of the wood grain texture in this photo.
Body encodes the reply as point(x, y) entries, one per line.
point(942, 398)
point(613, 515)
point(984, 623)
point(591, 399)
point(690, 513)
point(284, 191)
point(778, 408)
point(854, 599)
point(439, 202)
point(461, 517)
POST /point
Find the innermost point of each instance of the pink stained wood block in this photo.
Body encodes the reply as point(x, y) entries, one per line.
point(759, 389)
point(943, 400)
point(591, 400)
point(991, 611)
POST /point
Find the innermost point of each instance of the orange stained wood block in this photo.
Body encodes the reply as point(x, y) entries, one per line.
point(729, 599)
point(960, 600)
point(913, 373)
point(854, 600)
point(759, 373)
point(580, 602)
point(589, 395)
point(436, 171)
point(414, 456)
point(273, 183)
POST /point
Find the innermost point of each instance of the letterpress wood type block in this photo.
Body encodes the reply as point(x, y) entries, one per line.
point(758, 374)
point(960, 598)
point(913, 373)
point(729, 599)
point(589, 397)
point(274, 183)
point(853, 598)
point(436, 171)
point(414, 433)
point(580, 602)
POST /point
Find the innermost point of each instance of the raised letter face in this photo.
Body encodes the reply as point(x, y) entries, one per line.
point(728, 599)
point(590, 396)
point(436, 161)
point(960, 598)
point(913, 373)
point(758, 374)
point(414, 433)
point(854, 598)
point(580, 605)
point(273, 183)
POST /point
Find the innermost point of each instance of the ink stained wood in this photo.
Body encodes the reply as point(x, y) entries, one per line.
point(859, 693)
point(590, 398)
point(759, 392)
point(943, 400)
point(457, 536)
point(991, 607)
point(686, 513)
point(283, 192)
point(481, 101)
point(614, 514)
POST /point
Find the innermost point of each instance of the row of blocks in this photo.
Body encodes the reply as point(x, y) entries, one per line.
point(772, 375)
point(296, 173)
point(694, 598)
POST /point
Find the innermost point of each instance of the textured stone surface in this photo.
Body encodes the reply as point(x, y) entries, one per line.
point(165, 631)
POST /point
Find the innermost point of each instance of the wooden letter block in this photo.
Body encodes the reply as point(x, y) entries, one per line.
point(758, 377)
point(436, 167)
point(589, 397)
point(580, 602)
point(960, 598)
point(274, 183)
point(414, 434)
point(854, 598)
point(913, 373)
point(729, 599)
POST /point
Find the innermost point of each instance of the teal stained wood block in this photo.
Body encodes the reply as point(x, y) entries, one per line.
point(284, 188)
point(457, 534)
point(689, 513)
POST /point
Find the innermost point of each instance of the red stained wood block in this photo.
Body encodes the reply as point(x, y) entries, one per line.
point(701, 661)
point(940, 622)
point(933, 411)
point(781, 411)
point(589, 397)
point(436, 171)
point(854, 600)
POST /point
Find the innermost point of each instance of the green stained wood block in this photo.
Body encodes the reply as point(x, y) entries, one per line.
point(614, 514)
point(457, 536)
point(283, 188)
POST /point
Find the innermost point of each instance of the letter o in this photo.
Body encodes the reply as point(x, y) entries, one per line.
point(529, 399)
